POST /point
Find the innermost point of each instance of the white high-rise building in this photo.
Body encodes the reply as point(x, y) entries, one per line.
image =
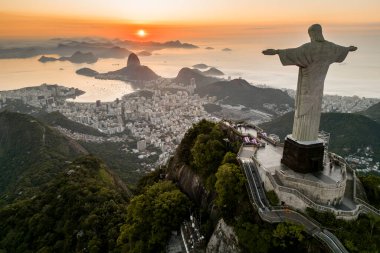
point(141, 145)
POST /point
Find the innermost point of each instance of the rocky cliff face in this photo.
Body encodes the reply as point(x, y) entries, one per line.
point(179, 170)
point(189, 182)
point(223, 240)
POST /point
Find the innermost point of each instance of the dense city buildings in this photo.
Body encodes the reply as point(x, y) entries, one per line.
point(156, 117)
point(40, 96)
point(343, 104)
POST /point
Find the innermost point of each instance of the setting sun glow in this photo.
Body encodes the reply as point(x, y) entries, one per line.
point(141, 33)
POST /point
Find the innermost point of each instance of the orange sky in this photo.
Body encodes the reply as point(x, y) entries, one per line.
point(170, 19)
point(27, 25)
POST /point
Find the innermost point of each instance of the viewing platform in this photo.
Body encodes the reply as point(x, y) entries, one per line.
point(331, 189)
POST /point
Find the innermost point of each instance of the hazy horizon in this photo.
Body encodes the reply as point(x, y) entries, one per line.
point(358, 75)
point(247, 27)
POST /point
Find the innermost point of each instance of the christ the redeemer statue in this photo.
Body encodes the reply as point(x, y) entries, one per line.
point(313, 60)
point(303, 152)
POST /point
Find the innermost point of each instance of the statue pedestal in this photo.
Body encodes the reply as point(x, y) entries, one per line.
point(303, 156)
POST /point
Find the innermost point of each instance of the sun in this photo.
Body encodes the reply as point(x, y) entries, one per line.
point(141, 33)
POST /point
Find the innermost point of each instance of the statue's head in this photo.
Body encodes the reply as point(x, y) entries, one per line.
point(315, 33)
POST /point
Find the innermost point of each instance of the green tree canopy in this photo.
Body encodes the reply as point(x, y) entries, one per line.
point(253, 238)
point(184, 149)
point(81, 209)
point(371, 185)
point(151, 217)
point(287, 234)
point(229, 187)
point(207, 154)
point(229, 157)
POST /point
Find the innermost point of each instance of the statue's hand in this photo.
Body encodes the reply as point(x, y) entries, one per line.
point(352, 48)
point(270, 52)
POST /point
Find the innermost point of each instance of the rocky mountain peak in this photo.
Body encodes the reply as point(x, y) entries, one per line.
point(133, 60)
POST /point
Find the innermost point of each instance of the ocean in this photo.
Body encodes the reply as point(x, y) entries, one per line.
point(358, 75)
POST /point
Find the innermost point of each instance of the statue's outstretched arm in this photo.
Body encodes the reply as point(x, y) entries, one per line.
point(270, 52)
point(339, 53)
point(352, 48)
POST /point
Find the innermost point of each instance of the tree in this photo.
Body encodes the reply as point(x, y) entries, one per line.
point(69, 213)
point(272, 197)
point(287, 234)
point(361, 235)
point(371, 185)
point(229, 187)
point(229, 157)
point(207, 154)
point(373, 220)
point(184, 149)
point(151, 216)
point(253, 238)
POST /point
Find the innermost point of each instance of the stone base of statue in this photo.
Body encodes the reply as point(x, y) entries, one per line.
point(303, 157)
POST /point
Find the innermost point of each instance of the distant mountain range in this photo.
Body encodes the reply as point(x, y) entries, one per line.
point(151, 45)
point(77, 57)
point(348, 131)
point(101, 48)
point(144, 53)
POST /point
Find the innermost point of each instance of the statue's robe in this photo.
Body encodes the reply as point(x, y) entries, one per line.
point(313, 60)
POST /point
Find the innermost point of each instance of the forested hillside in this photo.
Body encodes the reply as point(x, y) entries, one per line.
point(31, 153)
